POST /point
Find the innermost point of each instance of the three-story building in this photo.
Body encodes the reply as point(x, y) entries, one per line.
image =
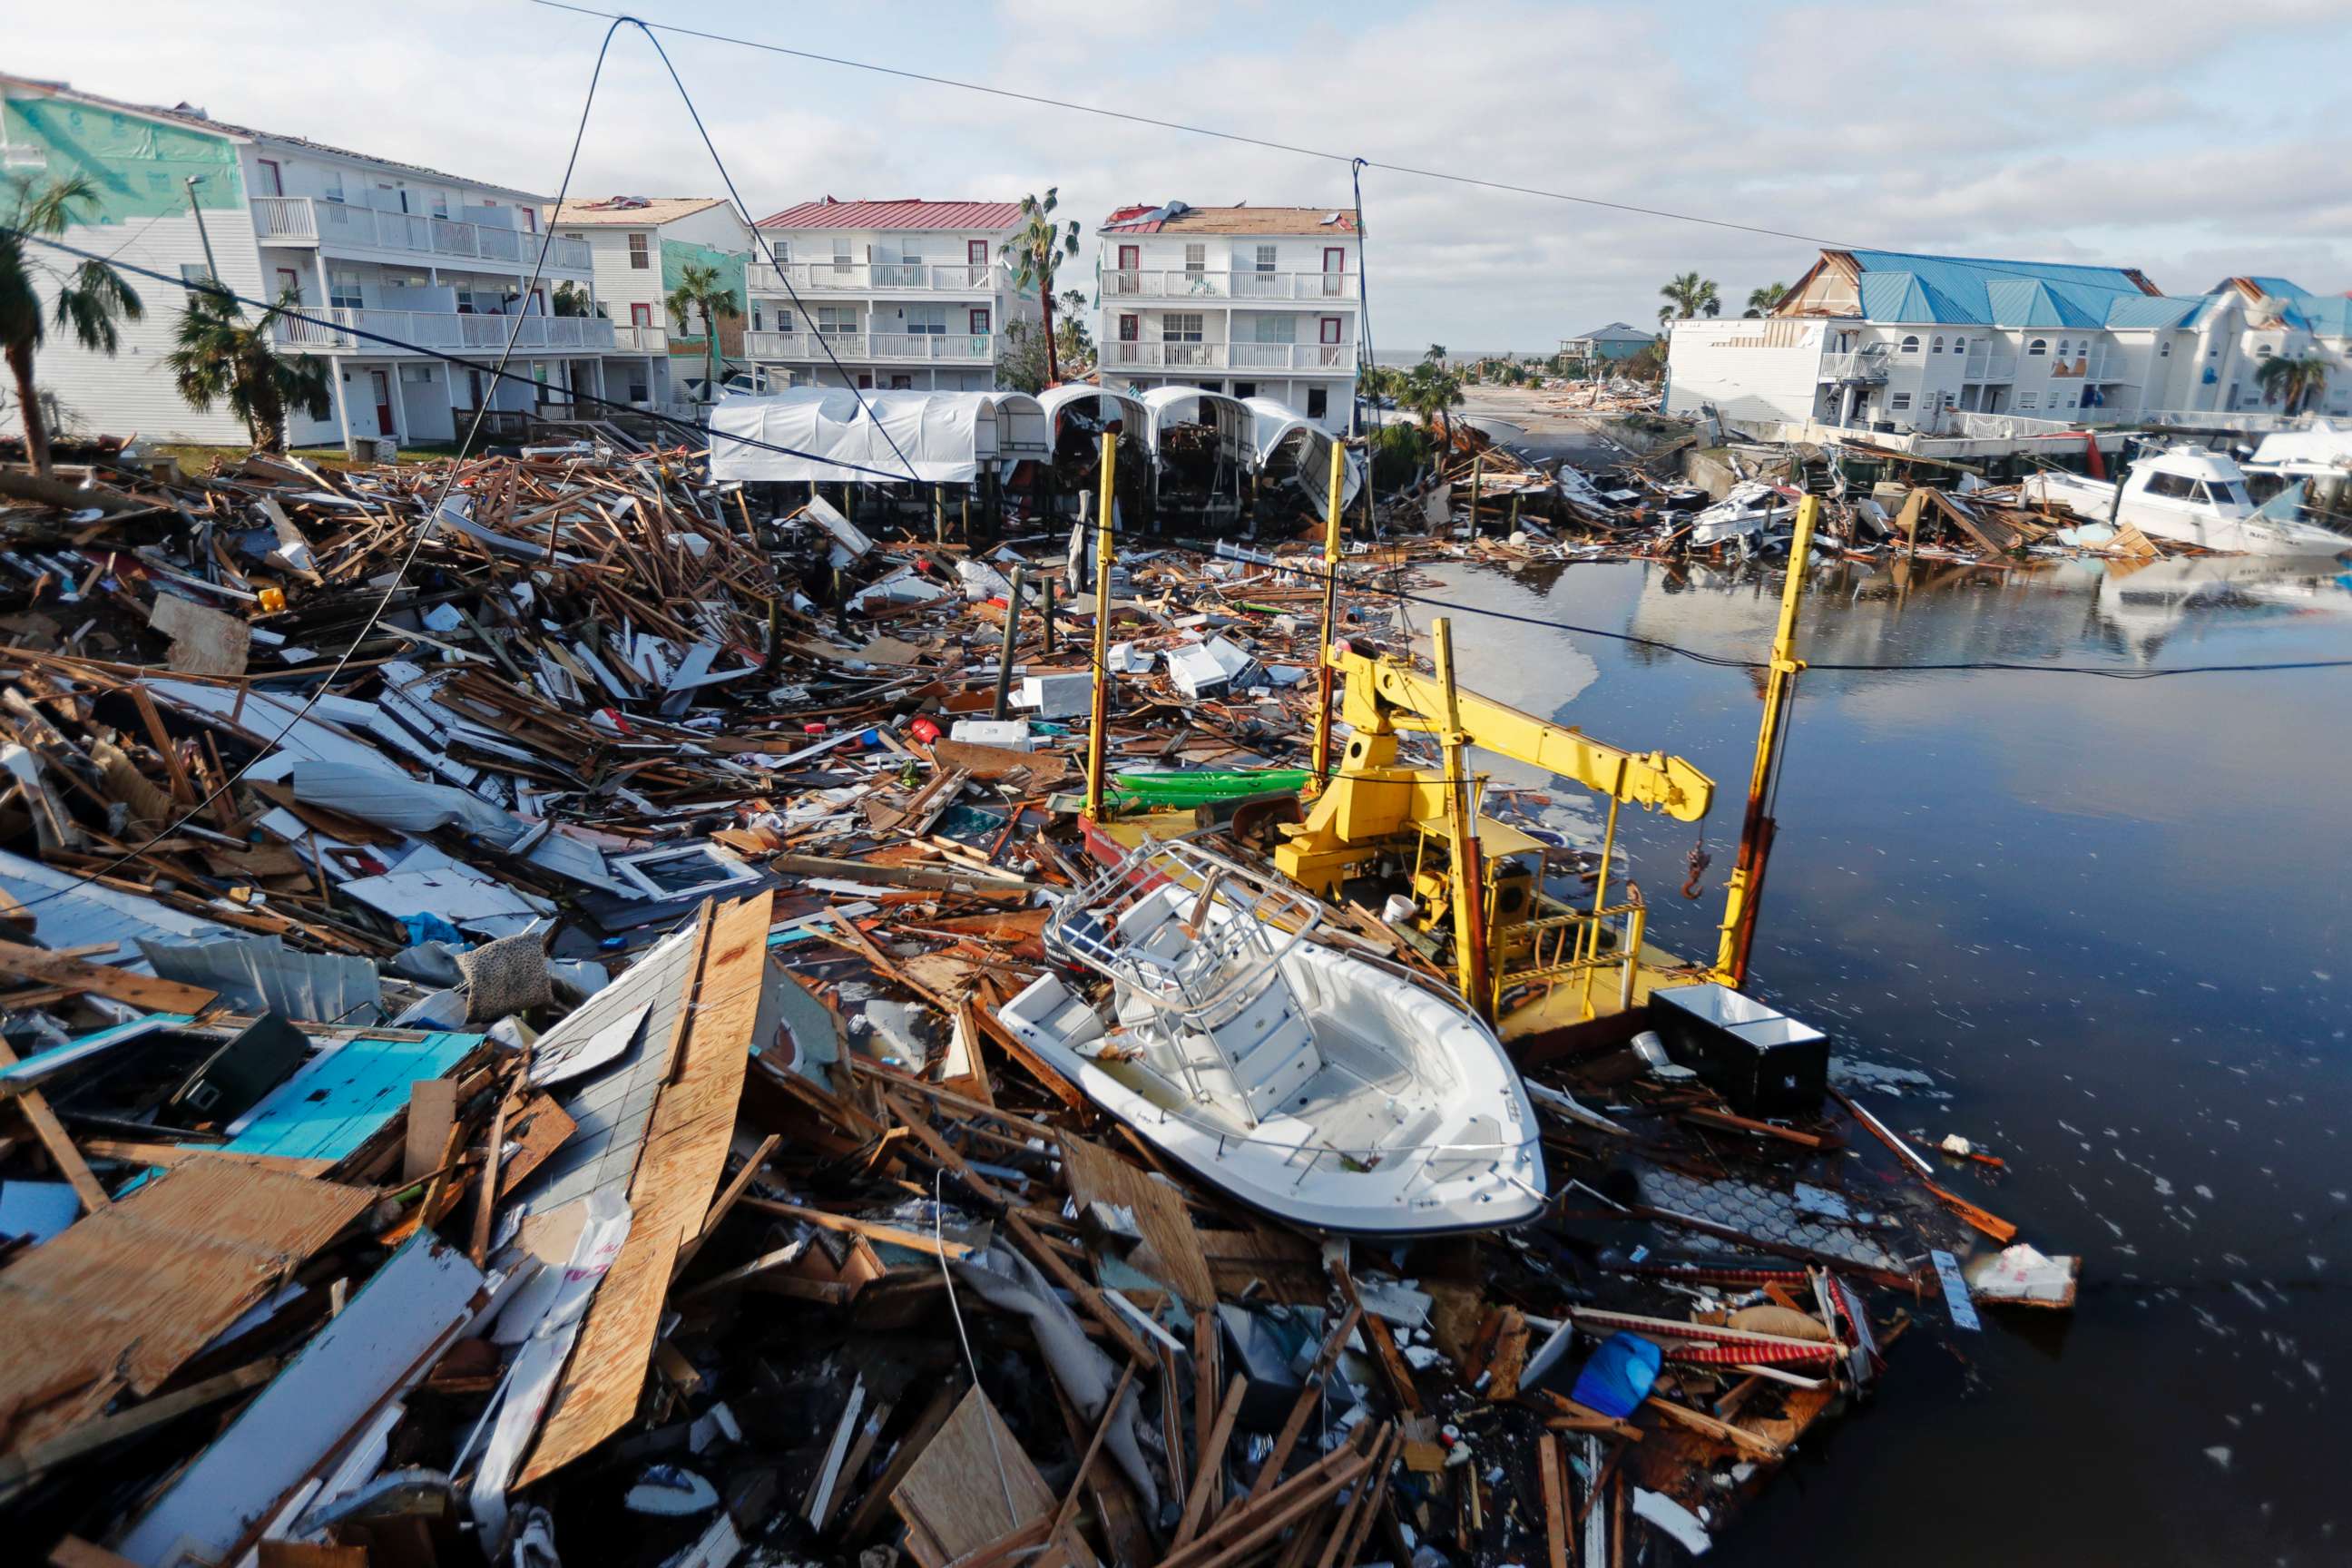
point(386, 261)
point(1252, 301)
point(907, 294)
point(641, 246)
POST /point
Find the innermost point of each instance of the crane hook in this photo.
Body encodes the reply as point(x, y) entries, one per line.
point(1698, 861)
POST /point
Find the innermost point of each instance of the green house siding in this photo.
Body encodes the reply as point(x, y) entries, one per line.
point(676, 254)
point(138, 168)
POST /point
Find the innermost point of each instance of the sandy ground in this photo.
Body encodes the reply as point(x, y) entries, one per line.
point(1587, 440)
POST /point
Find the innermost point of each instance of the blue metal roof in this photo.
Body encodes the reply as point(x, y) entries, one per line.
point(2152, 311)
point(1970, 290)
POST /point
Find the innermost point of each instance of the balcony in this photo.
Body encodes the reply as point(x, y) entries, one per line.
point(1990, 367)
point(1865, 364)
point(336, 331)
point(871, 348)
point(630, 338)
point(1329, 288)
point(299, 220)
point(1336, 358)
point(877, 277)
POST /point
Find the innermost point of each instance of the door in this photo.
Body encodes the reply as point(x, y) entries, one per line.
point(1130, 263)
point(1330, 340)
point(289, 282)
point(380, 382)
point(975, 255)
point(641, 315)
point(979, 323)
point(1335, 272)
point(1130, 333)
point(272, 179)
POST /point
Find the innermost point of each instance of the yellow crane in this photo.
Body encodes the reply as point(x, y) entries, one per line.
point(1379, 824)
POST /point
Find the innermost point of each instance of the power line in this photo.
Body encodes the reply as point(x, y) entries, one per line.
point(400, 577)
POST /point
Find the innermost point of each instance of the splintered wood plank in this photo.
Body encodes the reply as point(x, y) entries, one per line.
point(954, 1498)
point(685, 1155)
point(1096, 1175)
point(432, 1115)
point(125, 1294)
point(116, 985)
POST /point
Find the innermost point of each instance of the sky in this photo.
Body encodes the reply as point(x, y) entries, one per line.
point(2192, 141)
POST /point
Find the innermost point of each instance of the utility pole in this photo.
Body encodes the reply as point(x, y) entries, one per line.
point(1330, 621)
point(211, 266)
point(1097, 729)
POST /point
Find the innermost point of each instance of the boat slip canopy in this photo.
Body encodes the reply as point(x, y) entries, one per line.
point(947, 436)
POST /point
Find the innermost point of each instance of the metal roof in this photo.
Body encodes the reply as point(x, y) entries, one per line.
point(1615, 333)
point(898, 214)
point(1899, 286)
point(1177, 218)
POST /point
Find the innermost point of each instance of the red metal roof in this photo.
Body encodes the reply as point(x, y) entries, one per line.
point(831, 214)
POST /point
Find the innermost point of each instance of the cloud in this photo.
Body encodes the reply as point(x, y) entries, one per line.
point(2130, 133)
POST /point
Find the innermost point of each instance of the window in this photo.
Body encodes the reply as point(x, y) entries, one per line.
point(2173, 487)
point(976, 322)
point(1245, 389)
point(2028, 400)
point(416, 374)
point(1266, 255)
point(195, 274)
point(1179, 327)
point(1935, 344)
point(638, 391)
point(2038, 346)
point(1910, 345)
point(783, 321)
point(931, 320)
point(2164, 351)
point(272, 179)
point(1274, 329)
point(1319, 402)
point(1960, 345)
point(902, 383)
point(834, 320)
point(1196, 259)
point(343, 291)
point(2064, 348)
point(842, 254)
point(2263, 351)
point(334, 184)
point(1130, 328)
point(1900, 401)
point(782, 250)
point(757, 324)
point(640, 253)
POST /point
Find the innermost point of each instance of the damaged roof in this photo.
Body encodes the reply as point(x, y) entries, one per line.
point(630, 212)
point(1179, 217)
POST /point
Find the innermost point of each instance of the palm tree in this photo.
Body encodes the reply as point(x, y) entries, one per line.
point(1430, 391)
point(1034, 253)
point(700, 291)
point(2293, 381)
point(221, 357)
point(90, 297)
point(1072, 341)
point(1436, 354)
point(1692, 295)
point(1765, 300)
point(572, 300)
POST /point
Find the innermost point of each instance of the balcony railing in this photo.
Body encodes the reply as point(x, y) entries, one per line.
point(337, 329)
point(1860, 365)
point(280, 219)
point(878, 277)
point(1990, 367)
point(1332, 287)
point(926, 348)
point(630, 338)
point(1335, 357)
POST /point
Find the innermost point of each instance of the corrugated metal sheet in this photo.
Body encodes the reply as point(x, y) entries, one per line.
point(1968, 290)
point(82, 914)
point(341, 1096)
point(905, 214)
point(2152, 311)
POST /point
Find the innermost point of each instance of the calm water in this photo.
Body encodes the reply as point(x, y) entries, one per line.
point(2110, 919)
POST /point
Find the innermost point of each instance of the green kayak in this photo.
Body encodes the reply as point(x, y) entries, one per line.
point(1202, 787)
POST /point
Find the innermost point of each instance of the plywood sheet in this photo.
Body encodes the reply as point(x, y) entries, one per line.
point(1097, 1175)
point(953, 1499)
point(127, 1294)
point(685, 1155)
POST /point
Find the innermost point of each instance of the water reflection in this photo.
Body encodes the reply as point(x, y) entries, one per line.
point(2110, 918)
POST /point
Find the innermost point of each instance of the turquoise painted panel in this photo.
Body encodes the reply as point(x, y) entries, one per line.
point(338, 1100)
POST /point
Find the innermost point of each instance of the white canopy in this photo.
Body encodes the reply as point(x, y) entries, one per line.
point(1121, 405)
point(1278, 423)
point(946, 436)
point(1171, 405)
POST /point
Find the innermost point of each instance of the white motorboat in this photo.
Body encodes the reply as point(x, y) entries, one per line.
point(1745, 511)
point(2189, 496)
point(1334, 1091)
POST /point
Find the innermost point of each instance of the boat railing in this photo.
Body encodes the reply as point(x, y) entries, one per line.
point(1571, 943)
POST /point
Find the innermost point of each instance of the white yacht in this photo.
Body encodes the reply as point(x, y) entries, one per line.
point(2187, 495)
point(1338, 1093)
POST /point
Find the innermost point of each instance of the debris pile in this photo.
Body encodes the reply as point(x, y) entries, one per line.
point(501, 1062)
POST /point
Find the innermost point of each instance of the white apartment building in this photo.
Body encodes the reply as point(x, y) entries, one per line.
point(640, 246)
point(365, 244)
point(1887, 340)
point(906, 294)
point(1252, 302)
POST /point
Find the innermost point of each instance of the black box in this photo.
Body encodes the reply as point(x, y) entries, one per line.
point(1763, 1061)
